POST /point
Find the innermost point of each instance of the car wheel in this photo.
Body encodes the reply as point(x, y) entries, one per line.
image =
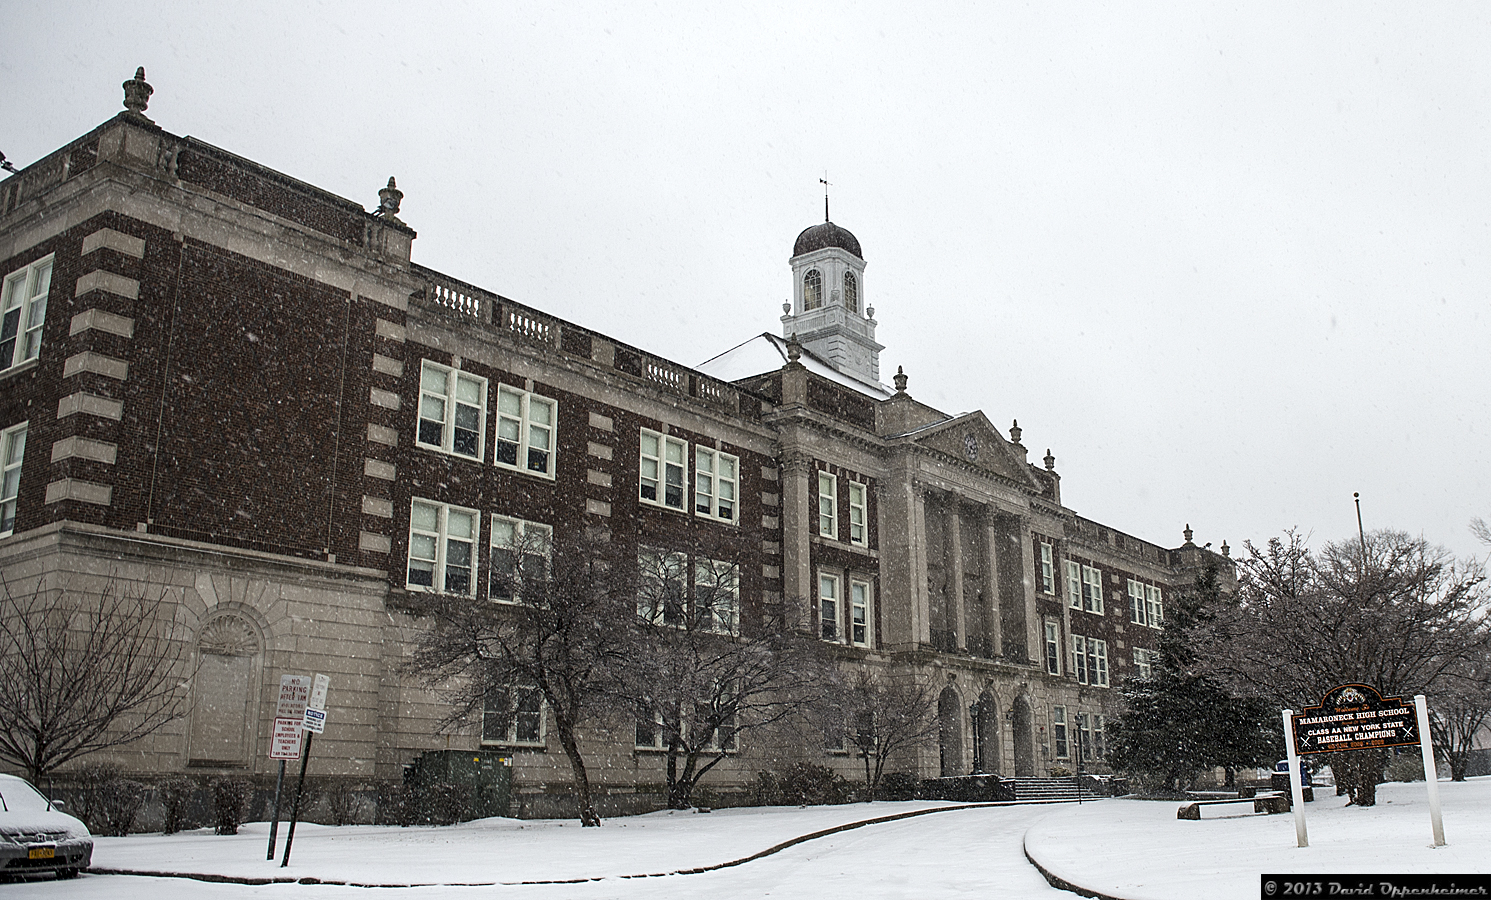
point(66, 873)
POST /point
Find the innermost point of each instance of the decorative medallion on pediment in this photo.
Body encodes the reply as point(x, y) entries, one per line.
point(229, 635)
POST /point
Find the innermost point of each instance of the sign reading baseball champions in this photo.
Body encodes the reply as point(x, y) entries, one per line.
point(1355, 717)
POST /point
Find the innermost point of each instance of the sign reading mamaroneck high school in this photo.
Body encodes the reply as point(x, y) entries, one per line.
point(1354, 717)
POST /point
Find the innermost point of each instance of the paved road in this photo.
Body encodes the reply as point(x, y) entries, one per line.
point(973, 852)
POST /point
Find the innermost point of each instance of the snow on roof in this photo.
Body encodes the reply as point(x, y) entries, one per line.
point(767, 353)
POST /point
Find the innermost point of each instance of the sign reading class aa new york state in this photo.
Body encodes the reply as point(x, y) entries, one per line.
point(1354, 717)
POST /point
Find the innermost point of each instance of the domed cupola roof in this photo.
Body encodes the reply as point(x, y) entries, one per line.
point(823, 235)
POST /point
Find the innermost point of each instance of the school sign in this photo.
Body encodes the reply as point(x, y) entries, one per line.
point(1355, 717)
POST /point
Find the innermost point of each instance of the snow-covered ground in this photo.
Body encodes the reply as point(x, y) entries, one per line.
point(1124, 848)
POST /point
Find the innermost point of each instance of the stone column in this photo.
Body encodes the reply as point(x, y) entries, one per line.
point(797, 520)
point(991, 585)
point(959, 618)
point(921, 612)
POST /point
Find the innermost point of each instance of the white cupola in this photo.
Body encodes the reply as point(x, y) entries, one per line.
point(829, 312)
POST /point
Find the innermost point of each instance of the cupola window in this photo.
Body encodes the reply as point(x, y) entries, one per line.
point(812, 290)
point(851, 292)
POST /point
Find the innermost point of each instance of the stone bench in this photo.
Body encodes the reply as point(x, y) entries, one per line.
point(1269, 803)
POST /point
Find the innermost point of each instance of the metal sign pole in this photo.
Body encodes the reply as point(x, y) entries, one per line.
point(1296, 787)
point(1426, 746)
point(274, 823)
point(305, 757)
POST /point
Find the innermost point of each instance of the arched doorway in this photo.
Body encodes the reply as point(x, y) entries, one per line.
point(224, 689)
point(950, 732)
point(988, 734)
point(1023, 736)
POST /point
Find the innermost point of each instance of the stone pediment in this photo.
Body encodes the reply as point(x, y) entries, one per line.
point(972, 439)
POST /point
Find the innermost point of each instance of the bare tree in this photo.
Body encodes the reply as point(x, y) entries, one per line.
point(1460, 709)
point(1481, 530)
point(85, 671)
point(887, 715)
point(699, 681)
point(555, 622)
point(1390, 611)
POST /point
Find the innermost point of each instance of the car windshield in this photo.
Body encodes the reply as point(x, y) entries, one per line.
point(19, 796)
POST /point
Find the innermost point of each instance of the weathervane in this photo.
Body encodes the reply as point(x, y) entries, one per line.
point(824, 181)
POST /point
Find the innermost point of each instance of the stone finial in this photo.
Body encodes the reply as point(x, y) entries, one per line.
point(137, 93)
point(787, 307)
point(389, 199)
point(1050, 461)
point(1226, 550)
point(870, 312)
point(794, 349)
point(1188, 534)
point(900, 379)
point(1015, 431)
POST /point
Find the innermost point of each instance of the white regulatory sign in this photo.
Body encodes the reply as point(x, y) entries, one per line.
point(318, 692)
point(315, 720)
point(285, 742)
point(295, 690)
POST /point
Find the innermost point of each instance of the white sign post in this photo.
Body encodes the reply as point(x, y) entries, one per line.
point(1296, 784)
point(1426, 747)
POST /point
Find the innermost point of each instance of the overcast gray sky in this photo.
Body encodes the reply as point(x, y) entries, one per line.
point(1230, 265)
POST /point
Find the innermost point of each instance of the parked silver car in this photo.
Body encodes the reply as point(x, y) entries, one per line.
point(36, 836)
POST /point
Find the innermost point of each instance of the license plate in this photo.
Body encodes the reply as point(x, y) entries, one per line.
point(43, 852)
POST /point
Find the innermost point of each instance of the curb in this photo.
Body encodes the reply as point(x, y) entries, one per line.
point(1061, 884)
point(770, 851)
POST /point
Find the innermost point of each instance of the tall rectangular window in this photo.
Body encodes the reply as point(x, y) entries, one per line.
point(1092, 582)
point(664, 467)
point(23, 311)
point(520, 557)
point(716, 484)
point(828, 505)
point(716, 596)
point(858, 530)
point(859, 613)
point(525, 431)
point(1091, 737)
point(662, 586)
point(1073, 585)
point(452, 410)
point(1144, 663)
point(513, 716)
point(12, 451)
point(1155, 605)
point(1058, 732)
point(1048, 568)
point(1138, 611)
point(1079, 658)
point(1053, 648)
point(828, 607)
point(441, 543)
point(1097, 662)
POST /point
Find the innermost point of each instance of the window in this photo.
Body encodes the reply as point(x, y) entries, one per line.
point(1073, 585)
point(1053, 648)
point(520, 556)
point(513, 716)
point(1048, 568)
point(716, 596)
point(828, 606)
point(664, 465)
point(12, 450)
point(23, 310)
point(851, 292)
point(662, 586)
point(1090, 737)
point(716, 483)
point(1090, 660)
point(1144, 663)
point(1156, 606)
point(441, 541)
point(1058, 732)
point(828, 505)
point(452, 410)
point(649, 730)
point(1138, 612)
point(1092, 581)
point(812, 290)
point(859, 613)
point(858, 535)
point(525, 431)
